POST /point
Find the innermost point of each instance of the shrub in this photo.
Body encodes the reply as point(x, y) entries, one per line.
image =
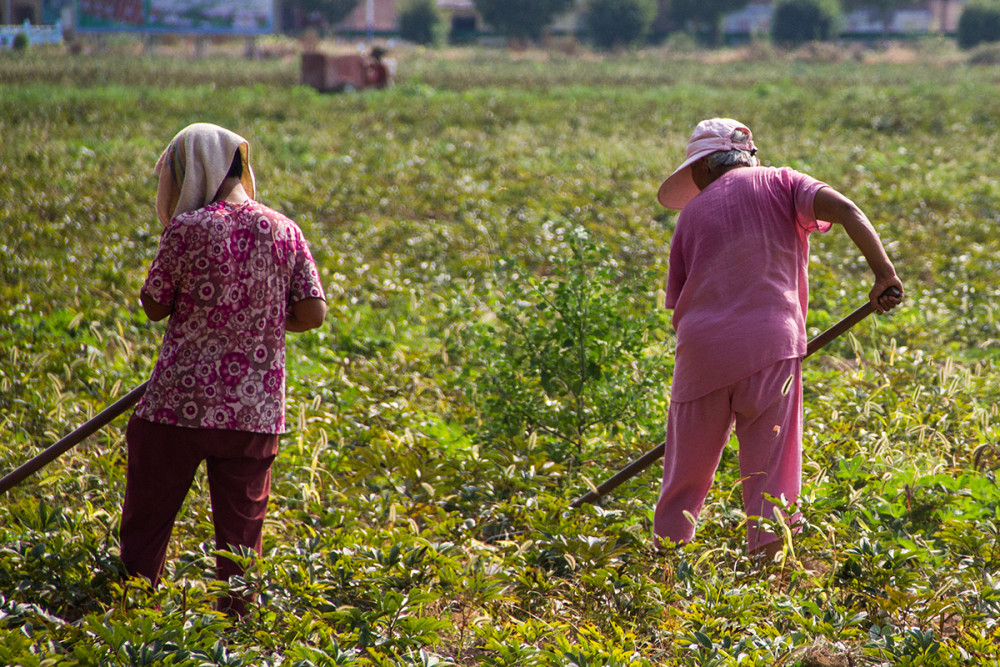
point(799, 21)
point(421, 22)
point(979, 23)
point(985, 54)
point(21, 41)
point(612, 23)
point(681, 42)
point(571, 354)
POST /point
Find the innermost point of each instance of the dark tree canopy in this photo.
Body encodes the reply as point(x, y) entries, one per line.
point(979, 24)
point(421, 22)
point(800, 21)
point(521, 19)
point(704, 16)
point(612, 23)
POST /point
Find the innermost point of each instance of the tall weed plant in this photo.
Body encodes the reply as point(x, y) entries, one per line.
point(573, 356)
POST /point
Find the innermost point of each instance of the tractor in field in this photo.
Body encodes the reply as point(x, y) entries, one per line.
point(348, 72)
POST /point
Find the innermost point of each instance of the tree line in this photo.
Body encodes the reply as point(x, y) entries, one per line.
point(611, 24)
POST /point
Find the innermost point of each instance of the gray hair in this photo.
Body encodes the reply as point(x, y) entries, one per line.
point(735, 157)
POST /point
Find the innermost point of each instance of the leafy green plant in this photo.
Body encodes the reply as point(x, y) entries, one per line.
point(573, 352)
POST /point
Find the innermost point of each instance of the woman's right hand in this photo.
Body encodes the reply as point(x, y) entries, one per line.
point(886, 294)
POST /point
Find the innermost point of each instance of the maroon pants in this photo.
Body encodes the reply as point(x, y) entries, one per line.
point(162, 463)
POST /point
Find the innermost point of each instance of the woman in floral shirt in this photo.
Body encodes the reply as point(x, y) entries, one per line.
point(233, 276)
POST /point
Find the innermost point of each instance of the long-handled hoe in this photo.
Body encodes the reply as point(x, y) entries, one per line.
point(99, 421)
point(654, 454)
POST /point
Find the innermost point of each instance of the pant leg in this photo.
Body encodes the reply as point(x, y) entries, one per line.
point(768, 408)
point(161, 467)
point(240, 487)
point(697, 433)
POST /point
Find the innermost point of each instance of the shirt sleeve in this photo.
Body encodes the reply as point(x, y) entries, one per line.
point(160, 284)
point(804, 189)
point(306, 283)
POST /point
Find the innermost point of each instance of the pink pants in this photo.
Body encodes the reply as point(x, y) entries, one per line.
point(162, 462)
point(767, 411)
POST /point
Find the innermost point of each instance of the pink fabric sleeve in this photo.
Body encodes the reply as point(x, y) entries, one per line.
point(159, 282)
point(804, 193)
point(306, 283)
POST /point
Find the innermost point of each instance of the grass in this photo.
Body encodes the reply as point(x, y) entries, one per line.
point(410, 523)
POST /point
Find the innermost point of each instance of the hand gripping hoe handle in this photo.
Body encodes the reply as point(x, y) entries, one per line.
point(654, 454)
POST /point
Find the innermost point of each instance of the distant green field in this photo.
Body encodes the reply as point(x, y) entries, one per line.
point(489, 240)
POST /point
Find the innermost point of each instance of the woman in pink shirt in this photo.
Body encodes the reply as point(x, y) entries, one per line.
point(233, 276)
point(738, 285)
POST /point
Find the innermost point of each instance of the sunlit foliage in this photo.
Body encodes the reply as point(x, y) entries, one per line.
point(418, 517)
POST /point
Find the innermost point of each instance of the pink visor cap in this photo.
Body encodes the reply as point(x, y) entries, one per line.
point(710, 136)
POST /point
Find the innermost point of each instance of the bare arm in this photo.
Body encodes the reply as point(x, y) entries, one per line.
point(305, 315)
point(155, 310)
point(834, 207)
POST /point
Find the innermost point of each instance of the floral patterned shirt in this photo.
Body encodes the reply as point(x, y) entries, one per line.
point(230, 272)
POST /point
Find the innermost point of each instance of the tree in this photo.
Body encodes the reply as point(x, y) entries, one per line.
point(705, 16)
point(523, 20)
point(331, 11)
point(421, 22)
point(612, 23)
point(800, 21)
point(979, 23)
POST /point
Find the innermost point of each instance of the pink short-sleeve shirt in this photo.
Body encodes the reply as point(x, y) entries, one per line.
point(738, 277)
point(230, 273)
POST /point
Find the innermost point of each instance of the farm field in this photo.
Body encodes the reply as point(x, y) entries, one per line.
point(488, 236)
